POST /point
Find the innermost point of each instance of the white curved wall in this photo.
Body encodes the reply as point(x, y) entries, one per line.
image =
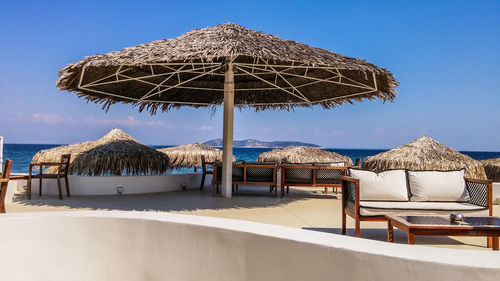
point(161, 246)
point(106, 185)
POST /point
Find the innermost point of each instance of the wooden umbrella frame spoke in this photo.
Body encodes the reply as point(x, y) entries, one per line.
point(256, 70)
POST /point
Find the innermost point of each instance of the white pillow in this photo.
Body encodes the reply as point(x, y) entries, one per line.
point(384, 186)
point(438, 186)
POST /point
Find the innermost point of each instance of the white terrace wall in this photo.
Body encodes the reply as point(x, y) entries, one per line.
point(160, 246)
point(107, 185)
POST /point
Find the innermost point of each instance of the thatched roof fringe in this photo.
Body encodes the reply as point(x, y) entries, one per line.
point(303, 154)
point(114, 153)
point(492, 169)
point(424, 154)
point(189, 155)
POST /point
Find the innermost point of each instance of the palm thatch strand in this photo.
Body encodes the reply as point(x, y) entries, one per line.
point(303, 154)
point(114, 153)
point(270, 72)
point(424, 154)
point(492, 169)
point(189, 155)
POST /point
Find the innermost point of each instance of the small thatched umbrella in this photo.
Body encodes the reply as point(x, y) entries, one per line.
point(303, 154)
point(189, 155)
point(424, 154)
point(226, 64)
point(492, 169)
point(114, 153)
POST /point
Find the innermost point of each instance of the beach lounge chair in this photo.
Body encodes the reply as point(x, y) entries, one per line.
point(62, 172)
point(4, 181)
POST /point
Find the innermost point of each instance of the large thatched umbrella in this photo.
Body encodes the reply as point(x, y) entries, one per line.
point(189, 155)
point(114, 153)
point(303, 154)
point(424, 154)
point(492, 169)
point(226, 64)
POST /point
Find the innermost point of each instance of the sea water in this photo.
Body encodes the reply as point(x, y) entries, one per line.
point(21, 154)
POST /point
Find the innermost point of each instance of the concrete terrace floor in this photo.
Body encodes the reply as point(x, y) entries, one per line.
point(304, 208)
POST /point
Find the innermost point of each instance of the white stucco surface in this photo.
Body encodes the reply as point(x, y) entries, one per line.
point(107, 185)
point(496, 193)
point(11, 190)
point(124, 246)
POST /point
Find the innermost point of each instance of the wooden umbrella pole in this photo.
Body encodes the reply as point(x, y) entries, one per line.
point(227, 134)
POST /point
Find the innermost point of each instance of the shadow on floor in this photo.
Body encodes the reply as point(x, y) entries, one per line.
point(184, 200)
point(399, 236)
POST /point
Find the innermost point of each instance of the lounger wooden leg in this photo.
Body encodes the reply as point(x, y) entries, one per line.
point(28, 190)
point(494, 243)
point(357, 226)
point(343, 222)
point(390, 231)
point(202, 181)
point(59, 188)
point(288, 189)
point(275, 191)
point(67, 186)
point(326, 190)
point(411, 238)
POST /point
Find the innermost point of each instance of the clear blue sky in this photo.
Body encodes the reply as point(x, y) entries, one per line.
point(446, 56)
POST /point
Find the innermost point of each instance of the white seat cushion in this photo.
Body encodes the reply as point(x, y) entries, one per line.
point(384, 186)
point(378, 208)
point(446, 186)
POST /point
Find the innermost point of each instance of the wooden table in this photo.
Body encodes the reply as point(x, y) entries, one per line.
point(443, 226)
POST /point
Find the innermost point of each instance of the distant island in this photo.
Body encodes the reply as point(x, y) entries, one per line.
point(259, 144)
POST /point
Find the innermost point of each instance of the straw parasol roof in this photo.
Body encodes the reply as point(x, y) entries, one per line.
point(270, 72)
point(226, 64)
point(114, 153)
point(302, 154)
point(492, 169)
point(424, 154)
point(189, 155)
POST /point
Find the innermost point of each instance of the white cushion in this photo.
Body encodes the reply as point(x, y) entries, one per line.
point(438, 186)
point(384, 186)
point(439, 206)
point(372, 208)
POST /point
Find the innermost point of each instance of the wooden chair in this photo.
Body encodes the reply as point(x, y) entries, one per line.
point(4, 181)
point(358, 162)
point(62, 172)
point(204, 165)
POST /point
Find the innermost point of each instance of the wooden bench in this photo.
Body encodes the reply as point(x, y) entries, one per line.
point(248, 173)
point(314, 175)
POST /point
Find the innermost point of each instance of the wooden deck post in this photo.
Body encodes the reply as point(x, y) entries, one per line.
point(227, 134)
